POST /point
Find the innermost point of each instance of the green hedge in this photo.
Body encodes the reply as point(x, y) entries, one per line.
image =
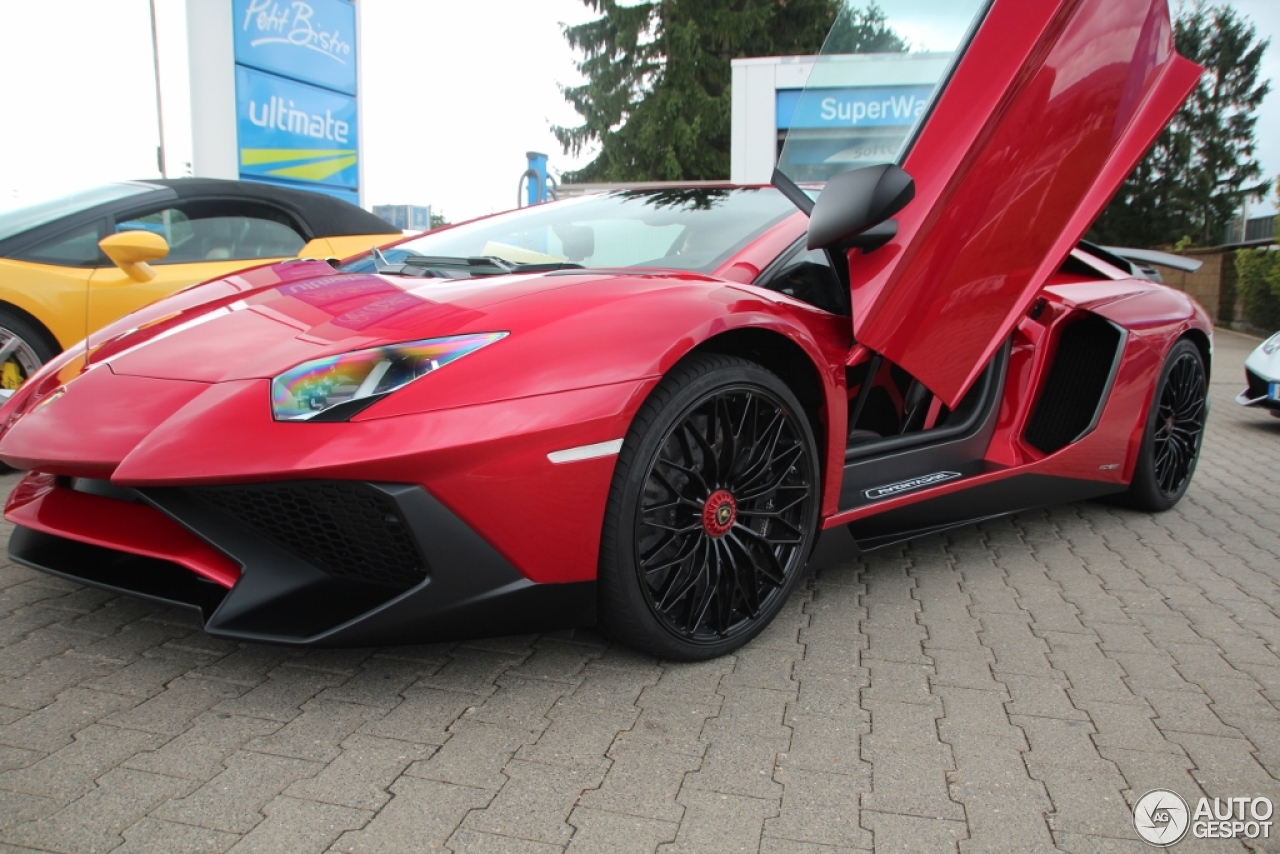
point(1259, 285)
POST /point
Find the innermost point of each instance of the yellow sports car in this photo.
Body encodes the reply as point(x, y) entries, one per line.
point(70, 266)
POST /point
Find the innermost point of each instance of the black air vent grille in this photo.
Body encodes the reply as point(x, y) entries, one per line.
point(348, 530)
point(1072, 395)
point(1258, 387)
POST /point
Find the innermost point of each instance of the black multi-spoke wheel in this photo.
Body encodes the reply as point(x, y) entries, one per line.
point(713, 511)
point(1175, 429)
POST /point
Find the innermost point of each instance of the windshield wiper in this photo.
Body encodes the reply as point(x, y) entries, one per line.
point(450, 267)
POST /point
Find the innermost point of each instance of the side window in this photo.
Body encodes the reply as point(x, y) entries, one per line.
point(220, 231)
point(76, 248)
point(808, 276)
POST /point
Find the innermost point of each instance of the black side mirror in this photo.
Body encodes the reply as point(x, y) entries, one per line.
point(854, 202)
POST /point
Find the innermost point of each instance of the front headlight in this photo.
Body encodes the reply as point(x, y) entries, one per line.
point(337, 387)
point(1272, 344)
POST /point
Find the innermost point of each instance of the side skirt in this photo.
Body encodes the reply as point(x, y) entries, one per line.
point(967, 506)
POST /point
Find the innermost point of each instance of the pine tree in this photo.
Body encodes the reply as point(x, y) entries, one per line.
point(1204, 165)
point(656, 97)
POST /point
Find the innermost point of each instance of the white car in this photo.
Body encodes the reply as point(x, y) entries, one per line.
point(1262, 372)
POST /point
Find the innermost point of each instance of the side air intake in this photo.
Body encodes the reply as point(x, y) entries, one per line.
point(1073, 395)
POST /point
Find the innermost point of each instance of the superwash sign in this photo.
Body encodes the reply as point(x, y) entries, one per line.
point(296, 87)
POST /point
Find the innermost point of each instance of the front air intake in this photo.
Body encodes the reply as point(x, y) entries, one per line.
point(348, 530)
point(1076, 390)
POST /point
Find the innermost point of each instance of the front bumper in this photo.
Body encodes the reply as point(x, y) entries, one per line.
point(316, 563)
point(1257, 392)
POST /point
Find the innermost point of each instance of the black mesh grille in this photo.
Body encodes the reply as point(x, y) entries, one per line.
point(348, 530)
point(1077, 380)
point(1258, 387)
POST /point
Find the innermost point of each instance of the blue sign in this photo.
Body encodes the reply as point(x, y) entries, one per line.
point(862, 107)
point(313, 41)
point(295, 133)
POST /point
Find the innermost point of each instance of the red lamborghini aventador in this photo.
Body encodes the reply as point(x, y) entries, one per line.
point(639, 409)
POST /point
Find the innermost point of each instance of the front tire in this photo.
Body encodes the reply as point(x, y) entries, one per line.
point(712, 513)
point(23, 349)
point(1174, 432)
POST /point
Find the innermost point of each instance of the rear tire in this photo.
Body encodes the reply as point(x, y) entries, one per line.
point(1174, 432)
point(712, 513)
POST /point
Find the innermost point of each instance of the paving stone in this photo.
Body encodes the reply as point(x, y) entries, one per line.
point(95, 822)
point(642, 780)
point(359, 776)
point(42, 684)
point(466, 841)
point(1128, 727)
point(829, 694)
point(280, 698)
point(739, 763)
point(317, 733)
point(554, 661)
point(1016, 648)
point(18, 808)
point(474, 755)
point(579, 735)
point(830, 745)
point(1043, 697)
point(199, 753)
point(151, 835)
point(299, 825)
point(1185, 711)
point(341, 662)
point(243, 664)
point(908, 834)
point(970, 715)
point(896, 682)
point(763, 668)
point(911, 782)
point(380, 683)
point(15, 757)
point(610, 832)
point(1225, 765)
point(715, 821)
point(54, 726)
point(70, 772)
point(145, 677)
point(759, 711)
point(613, 683)
point(422, 815)
point(424, 716)
point(520, 703)
point(820, 809)
point(233, 800)
point(1086, 798)
point(969, 669)
point(472, 670)
point(535, 802)
point(170, 712)
point(1006, 810)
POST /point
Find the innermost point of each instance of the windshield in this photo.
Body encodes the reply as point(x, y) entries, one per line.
point(32, 216)
point(878, 75)
point(685, 228)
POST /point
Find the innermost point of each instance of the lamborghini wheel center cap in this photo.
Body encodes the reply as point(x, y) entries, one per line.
point(719, 513)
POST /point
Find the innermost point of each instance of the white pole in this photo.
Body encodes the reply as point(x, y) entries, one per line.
point(155, 56)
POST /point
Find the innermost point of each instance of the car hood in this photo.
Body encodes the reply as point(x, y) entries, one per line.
point(265, 321)
point(1263, 364)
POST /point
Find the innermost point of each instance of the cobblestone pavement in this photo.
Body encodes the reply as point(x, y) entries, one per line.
point(1014, 686)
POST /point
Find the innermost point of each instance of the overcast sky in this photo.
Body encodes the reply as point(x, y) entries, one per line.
point(454, 95)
